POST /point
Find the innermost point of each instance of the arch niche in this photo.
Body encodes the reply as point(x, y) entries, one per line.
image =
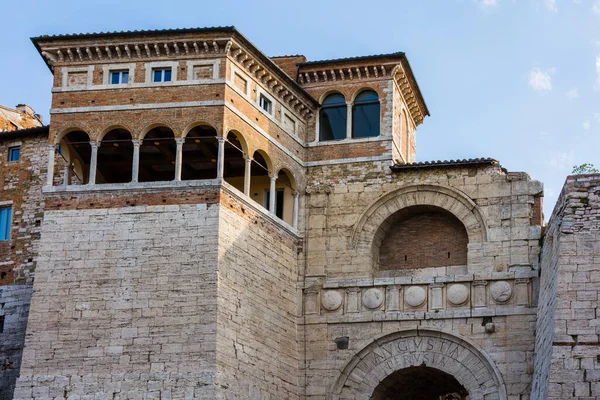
point(375, 223)
point(411, 361)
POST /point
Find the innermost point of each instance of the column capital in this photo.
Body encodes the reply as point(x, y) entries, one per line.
point(296, 193)
point(247, 158)
point(179, 140)
point(94, 144)
point(136, 142)
point(52, 146)
point(220, 138)
point(273, 176)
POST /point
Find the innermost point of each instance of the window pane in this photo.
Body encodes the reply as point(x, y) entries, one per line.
point(157, 75)
point(114, 78)
point(366, 96)
point(5, 223)
point(279, 203)
point(332, 123)
point(14, 154)
point(335, 99)
point(167, 75)
point(365, 120)
point(124, 77)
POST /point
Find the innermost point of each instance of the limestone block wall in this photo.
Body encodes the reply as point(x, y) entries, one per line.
point(124, 304)
point(257, 350)
point(14, 308)
point(567, 363)
point(348, 203)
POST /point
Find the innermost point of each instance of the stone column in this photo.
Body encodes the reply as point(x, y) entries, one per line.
point(247, 174)
point(135, 168)
point(93, 163)
point(295, 211)
point(50, 175)
point(272, 197)
point(178, 158)
point(349, 120)
point(221, 157)
point(66, 175)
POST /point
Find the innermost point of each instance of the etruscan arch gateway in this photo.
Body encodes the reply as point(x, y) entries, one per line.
point(211, 230)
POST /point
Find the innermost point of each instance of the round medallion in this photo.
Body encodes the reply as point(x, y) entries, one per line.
point(331, 300)
point(415, 296)
point(457, 294)
point(501, 291)
point(372, 298)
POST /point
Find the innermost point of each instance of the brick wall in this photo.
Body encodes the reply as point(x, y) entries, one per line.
point(426, 239)
point(567, 345)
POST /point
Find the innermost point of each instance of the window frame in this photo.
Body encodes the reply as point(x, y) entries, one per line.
point(216, 64)
point(11, 149)
point(109, 68)
point(325, 107)
point(5, 226)
point(151, 67)
point(65, 76)
point(122, 73)
point(356, 104)
point(263, 101)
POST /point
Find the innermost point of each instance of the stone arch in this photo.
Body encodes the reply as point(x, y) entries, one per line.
point(328, 92)
point(148, 128)
point(240, 138)
point(64, 132)
point(364, 89)
point(453, 355)
point(112, 128)
point(449, 199)
point(195, 124)
point(282, 167)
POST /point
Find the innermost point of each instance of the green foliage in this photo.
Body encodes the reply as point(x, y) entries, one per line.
point(585, 168)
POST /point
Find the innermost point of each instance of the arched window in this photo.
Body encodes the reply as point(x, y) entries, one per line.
point(332, 118)
point(365, 115)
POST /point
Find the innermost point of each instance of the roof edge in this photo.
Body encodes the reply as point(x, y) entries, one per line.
point(471, 162)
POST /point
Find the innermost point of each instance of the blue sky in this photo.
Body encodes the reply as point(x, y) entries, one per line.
point(517, 80)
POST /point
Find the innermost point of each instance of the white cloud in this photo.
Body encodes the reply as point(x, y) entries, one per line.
point(551, 5)
point(596, 7)
point(540, 80)
point(486, 4)
point(586, 124)
point(597, 116)
point(562, 160)
point(573, 93)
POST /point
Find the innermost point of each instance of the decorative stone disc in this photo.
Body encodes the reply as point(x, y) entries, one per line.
point(415, 296)
point(331, 300)
point(372, 298)
point(501, 291)
point(458, 294)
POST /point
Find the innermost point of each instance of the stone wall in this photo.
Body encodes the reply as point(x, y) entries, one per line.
point(14, 308)
point(257, 350)
point(490, 301)
point(567, 361)
point(124, 305)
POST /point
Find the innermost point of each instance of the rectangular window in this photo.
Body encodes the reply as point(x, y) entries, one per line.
point(240, 83)
point(14, 153)
point(5, 218)
point(278, 202)
point(119, 77)
point(265, 104)
point(1, 323)
point(161, 75)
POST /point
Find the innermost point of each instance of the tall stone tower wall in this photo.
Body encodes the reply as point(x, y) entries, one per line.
point(567, 363)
